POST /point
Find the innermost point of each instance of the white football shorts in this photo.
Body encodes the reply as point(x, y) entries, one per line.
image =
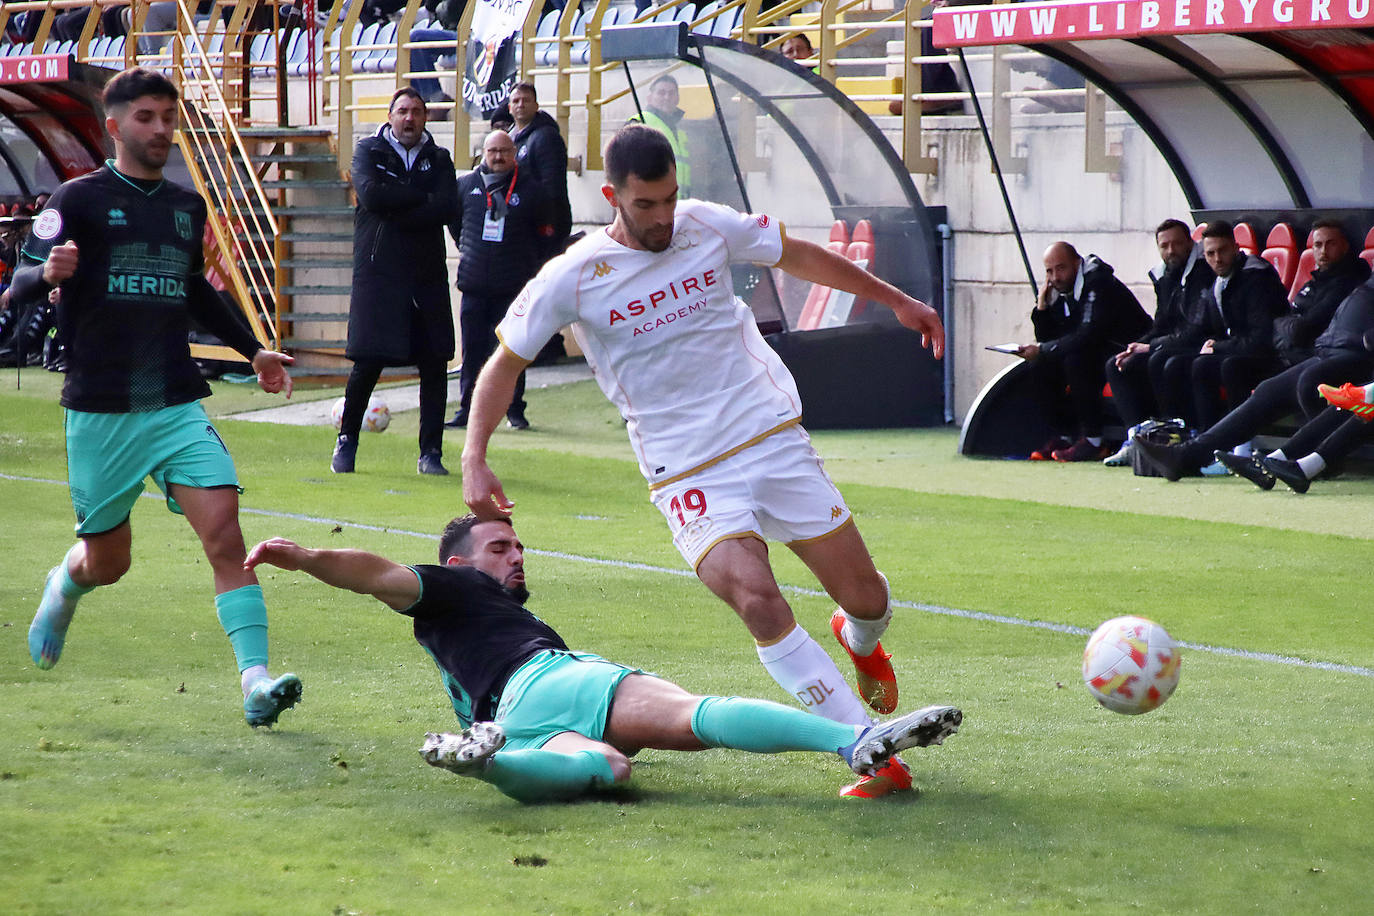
point(776, 489)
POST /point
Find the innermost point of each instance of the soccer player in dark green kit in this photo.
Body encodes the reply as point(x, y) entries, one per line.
point(124, 247)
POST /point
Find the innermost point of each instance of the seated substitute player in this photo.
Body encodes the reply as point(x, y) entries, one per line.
point(124, 247)
point(543, 723)
point(712, 413)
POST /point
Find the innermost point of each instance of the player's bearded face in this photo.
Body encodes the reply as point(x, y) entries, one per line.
point(646, 210)
point(146, 128)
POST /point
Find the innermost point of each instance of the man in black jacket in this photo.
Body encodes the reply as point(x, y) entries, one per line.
point(1083, 315)
point(399, 313)
point(503, 230)
point(1233, 321)
point(541, 151)
point(1179, 281)
point(1341, 356)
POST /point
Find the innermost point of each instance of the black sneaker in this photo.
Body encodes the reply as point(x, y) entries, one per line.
point(517, 420)
point(1247, 467)
point(429, 463)
point(460, 419)
point(1289, 472)
point(345, 450)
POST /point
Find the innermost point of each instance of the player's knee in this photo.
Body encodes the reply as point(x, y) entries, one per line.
point(869, 598)
point(106, 568)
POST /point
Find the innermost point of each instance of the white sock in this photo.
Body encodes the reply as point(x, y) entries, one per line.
point(1244, 450)
point(1094, 441)
point(804, 670)
point(1311, 465)
point(1277, 454)
point(251, 675)
point(862, 635)
point(1369, 393)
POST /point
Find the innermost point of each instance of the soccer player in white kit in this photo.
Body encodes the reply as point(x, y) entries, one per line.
point(713, 415)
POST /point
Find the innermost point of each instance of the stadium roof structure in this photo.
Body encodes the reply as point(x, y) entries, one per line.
point(1265, 104)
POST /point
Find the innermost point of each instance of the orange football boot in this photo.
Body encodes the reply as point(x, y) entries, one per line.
point(1348, 397)
point(894, 777)
point(876, 680)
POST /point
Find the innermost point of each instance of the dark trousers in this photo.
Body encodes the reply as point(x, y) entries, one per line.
point(1081, 372)
point(1294, 389)
point(478, 317)
point(1132, 393)
point(1333, 434)
point(433, 396)
point(1190, 386)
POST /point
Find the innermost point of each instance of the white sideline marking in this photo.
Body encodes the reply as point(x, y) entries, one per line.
point(1291, 660)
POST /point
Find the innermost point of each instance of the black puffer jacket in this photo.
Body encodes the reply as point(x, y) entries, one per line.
point(539, 148)
point(1243, 324)
point(1104, 316)
point(1314, 306)
point(1176, 295)
point(492, 268)
point(399, 253)
point(1354, 319)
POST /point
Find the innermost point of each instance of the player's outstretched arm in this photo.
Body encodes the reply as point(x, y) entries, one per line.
point(394, 585)
point(495, 386)
point(809, 261)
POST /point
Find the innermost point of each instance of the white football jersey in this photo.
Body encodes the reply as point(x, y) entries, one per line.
point(666, 338)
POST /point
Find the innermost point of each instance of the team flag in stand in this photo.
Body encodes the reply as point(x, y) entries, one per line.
point(492, 54)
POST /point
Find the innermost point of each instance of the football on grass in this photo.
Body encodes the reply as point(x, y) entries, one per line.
point(1131, 665)
point(375, 419)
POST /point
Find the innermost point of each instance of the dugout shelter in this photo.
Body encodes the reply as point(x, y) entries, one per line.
point(1264, 112)
point(767, 136)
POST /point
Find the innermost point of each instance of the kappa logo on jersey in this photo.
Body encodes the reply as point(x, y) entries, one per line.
point(762, 221)
point(477, 191)
point(183, 224)
point(684, 239)
point(835, 512)
point(117, 217)
point(48, 226)
point(602, 269)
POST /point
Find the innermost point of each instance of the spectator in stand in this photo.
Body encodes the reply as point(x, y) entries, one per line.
point(503, 229)
point(1083, 315)
point(798, 48)
point(661, 112)
point(1179, 281)
point(1341, 356)
point(1234, 321)
point(540, 149)
point(400, 314)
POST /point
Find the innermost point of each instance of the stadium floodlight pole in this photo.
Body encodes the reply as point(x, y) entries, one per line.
point(997, 170)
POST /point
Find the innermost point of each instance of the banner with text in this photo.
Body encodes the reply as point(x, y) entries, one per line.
point(1077, 20)
point(493, 54)
point(42, 68)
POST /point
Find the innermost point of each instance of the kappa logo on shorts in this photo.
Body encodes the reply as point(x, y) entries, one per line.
point(602, 269)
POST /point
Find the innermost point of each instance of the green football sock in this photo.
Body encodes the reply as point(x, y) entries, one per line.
point(761, 727)
point(243, 614)
point(539, 776)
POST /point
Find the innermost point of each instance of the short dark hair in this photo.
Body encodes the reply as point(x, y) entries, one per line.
point(1328, 222)
point(403, 92)
point(1219, 229)
point(527, 87)
point(135, 83)
point(665, 78)
point(639, 150)
point(803, 36)
point(457, 536)
point(1170, 224)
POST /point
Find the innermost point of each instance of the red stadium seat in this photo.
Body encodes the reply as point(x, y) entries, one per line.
point(1245, 239)
point(1197, 231)
point(1368, 252)
point(1307, 262)
point(1282, 251)
point(839, 232)
point(863, 232)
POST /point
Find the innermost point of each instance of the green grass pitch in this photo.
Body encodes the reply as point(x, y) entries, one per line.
point(129, 782)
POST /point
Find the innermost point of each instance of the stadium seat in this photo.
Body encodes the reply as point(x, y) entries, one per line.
point(581, 50)
point(1281, 251)
point(1245, 239)
point(1198, 230)
point(863, 232)
point(382, 57)
point(338, 43)
point(1368, 252)
point(861, 250)
point(839, 232)
point(723, 24)
point(1307, 262)
point(298, 53)
point(706, 11)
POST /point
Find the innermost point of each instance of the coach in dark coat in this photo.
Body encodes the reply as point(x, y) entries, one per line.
point(504, 230)
point(400, 313)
